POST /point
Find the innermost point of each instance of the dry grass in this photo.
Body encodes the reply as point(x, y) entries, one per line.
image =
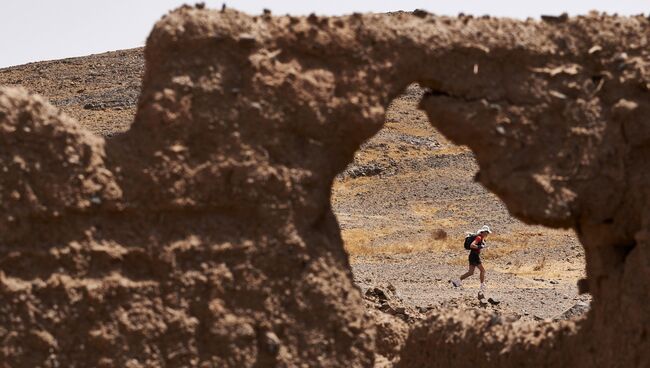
point(371, 154)
point(423, 209)
point(395, 248)
point(419, 130)
point(544, 269)
point(502, 245)
point(451, 150)
point(358, 242)
point(362, 241)
point(350, 187)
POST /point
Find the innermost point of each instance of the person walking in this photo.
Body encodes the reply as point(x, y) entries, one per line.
point(475, 257)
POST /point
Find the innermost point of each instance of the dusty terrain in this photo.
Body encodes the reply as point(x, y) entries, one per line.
point(100, 91)
point(404, 224)
point(206, 234)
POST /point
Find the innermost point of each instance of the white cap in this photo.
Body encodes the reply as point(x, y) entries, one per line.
point(484, 229)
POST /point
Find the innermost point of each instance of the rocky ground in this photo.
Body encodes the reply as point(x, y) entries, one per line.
point(403, 205)
point(100, 91)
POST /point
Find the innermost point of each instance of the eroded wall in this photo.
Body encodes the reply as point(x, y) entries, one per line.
point(204, 236)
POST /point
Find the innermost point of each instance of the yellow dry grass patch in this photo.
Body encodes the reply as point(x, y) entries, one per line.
point(369, 155)
point(432, 223)
point(423, 209)
point(450, 150)
point(424, 130)
point(504, 244)
point(500, 245)
point(351, 187)
point(543, 268)
point(358, 242)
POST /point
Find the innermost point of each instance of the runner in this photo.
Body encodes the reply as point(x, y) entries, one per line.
point(475, 257)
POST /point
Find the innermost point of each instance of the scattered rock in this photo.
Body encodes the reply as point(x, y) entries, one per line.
point(423, 142)
point(424, 310)
point(385, 299)
point(377, 293)
point(420, 13)
point(493, 301)
point(555, 18)
point(370, 169)
point(578, 310)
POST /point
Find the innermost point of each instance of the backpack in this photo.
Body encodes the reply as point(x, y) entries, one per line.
point(468, 240)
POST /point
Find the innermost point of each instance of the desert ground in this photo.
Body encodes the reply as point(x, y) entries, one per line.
point(404, 204)
point(404, 222)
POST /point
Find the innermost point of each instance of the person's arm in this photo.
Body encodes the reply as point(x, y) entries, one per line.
point(475, 243)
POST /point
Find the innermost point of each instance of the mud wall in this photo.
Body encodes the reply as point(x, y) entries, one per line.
point(204, 235)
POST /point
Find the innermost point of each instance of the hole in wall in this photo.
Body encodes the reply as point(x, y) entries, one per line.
point(404, 206)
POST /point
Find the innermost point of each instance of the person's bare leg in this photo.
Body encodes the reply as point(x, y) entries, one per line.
point(482, 275)
point(469, 273)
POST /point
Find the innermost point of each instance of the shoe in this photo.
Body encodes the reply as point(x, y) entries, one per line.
point(456, 283)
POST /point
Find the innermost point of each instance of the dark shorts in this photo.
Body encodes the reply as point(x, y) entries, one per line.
point(474, 259)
